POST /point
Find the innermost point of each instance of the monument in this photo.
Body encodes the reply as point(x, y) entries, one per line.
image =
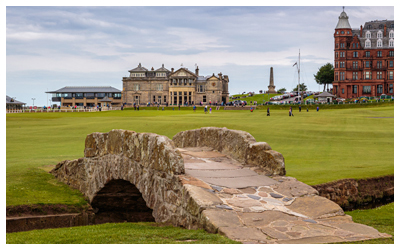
point(271, 87)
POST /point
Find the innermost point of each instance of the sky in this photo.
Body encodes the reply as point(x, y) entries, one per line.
point(48, 48)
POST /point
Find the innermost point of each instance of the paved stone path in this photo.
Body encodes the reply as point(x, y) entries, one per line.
point(253, 208)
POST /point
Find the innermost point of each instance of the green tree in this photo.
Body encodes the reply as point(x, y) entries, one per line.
point(325, 75)
point(303, 87)
point(282, 90)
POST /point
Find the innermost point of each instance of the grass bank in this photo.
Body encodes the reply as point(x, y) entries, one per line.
point(121, 233)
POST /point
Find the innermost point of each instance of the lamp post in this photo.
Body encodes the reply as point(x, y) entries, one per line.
point(50, 102)
point(33, 99)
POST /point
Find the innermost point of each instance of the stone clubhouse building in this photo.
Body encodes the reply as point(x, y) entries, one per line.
point(170, 87)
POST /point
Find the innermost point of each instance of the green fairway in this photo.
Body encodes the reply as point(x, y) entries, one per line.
point(317, 147)
point(121, 233)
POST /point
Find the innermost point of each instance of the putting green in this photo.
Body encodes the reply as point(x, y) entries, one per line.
point(318, 146)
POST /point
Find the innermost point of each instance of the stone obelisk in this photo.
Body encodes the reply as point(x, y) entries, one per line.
point(271, 87)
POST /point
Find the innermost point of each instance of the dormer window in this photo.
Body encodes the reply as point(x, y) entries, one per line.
point(379, 43)
point(391, 34)
point(379, 34)
point(381, 26)
point(391, 42)
point(368, 44)
point(368, 35)
point(369, 26)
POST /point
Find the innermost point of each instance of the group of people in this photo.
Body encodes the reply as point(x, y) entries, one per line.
point(290, 110)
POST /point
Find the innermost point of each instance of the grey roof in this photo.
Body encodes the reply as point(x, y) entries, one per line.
point(105, 99)
point(343, 22)
point(162, 69)
point(373, 27)
point(86, 89)
point(324, 94)
point(203, 78)
point(14, 101)
point(139, 68)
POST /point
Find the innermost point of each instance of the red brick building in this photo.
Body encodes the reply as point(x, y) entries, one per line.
point(364, 58)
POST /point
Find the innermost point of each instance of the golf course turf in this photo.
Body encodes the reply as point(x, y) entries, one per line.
point(318, 147)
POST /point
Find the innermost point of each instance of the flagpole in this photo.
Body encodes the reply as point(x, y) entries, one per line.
point(298, 86)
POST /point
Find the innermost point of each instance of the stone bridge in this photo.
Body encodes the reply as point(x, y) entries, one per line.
point(217, 179)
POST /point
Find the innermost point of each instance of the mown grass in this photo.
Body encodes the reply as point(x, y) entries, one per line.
point(318, 147)
point(381, 218)
point(121, 233)
point(260, 98)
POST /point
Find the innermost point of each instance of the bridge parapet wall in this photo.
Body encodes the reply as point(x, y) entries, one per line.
point(240, 145)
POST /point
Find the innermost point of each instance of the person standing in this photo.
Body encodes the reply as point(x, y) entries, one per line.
point(299, 108)
point(205, 109)
point(194, 108)
point(317, 108)
point(268, 114)
point(210, 109)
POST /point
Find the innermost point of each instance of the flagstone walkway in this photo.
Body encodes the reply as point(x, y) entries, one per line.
point(253, 208)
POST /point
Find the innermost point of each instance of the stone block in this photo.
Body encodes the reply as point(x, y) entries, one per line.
point(213, 219)
point(199, 199)
point(315, 207)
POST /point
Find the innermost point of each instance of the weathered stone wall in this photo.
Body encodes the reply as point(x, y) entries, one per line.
point(150, 162)
point(351, 193)
point(240, 145)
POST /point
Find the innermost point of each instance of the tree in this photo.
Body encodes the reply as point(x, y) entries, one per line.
point(325, 75)
point(282, 90)
point(303, 87)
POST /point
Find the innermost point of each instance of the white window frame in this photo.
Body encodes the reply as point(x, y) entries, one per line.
point(379, 34)
point(368, 34)
point(391, 34)
point(391, 42)
point(368, 43)
point(379, 43)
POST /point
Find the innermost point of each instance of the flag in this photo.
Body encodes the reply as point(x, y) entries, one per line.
point(294, 64)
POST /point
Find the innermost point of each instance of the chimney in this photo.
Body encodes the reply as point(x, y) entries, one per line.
point(361, 31)
point(172, 70)
point(197, 71)
point(220, 75)
point(384, 31)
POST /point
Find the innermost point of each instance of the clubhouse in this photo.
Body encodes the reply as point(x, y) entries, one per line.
point(87, 96)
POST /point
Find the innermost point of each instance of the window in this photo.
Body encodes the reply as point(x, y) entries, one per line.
point(391, 34)
point(354, 89)
point(136, 87)
point(165, 99)
point(159, 87)
point(368, 34)
point(336, 55)
point(379, 34)
point(336, 65)
point(367, 64)
point(342, 54)
point(367, 75)
point(342, 45)
point(390, 88)
point(379, 75)
point(391, 42)
point(367, 54)
point(379, 54)
point(391, 64)
point(341, 76)
point(355, 54)
point(342, 64)
point(380, 26)
point(390, 75)
point(342, 91)
point(200, 88)
point(355, 65)
point(391, 53)
point(337, 45)
point(366, 89)
point(204, 98)
point(379, 64)
point(101, 95)
point(342, 32)
point(369, 26)
point(355, 45)
point(336, 76)
point(379, 89)
point(161, 74)
point(355, 76)
point(368, 44)
point(379, 43)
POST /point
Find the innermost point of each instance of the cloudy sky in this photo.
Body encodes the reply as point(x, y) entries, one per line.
point(48, 48)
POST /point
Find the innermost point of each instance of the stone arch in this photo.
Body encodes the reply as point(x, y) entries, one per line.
point(148, 161)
